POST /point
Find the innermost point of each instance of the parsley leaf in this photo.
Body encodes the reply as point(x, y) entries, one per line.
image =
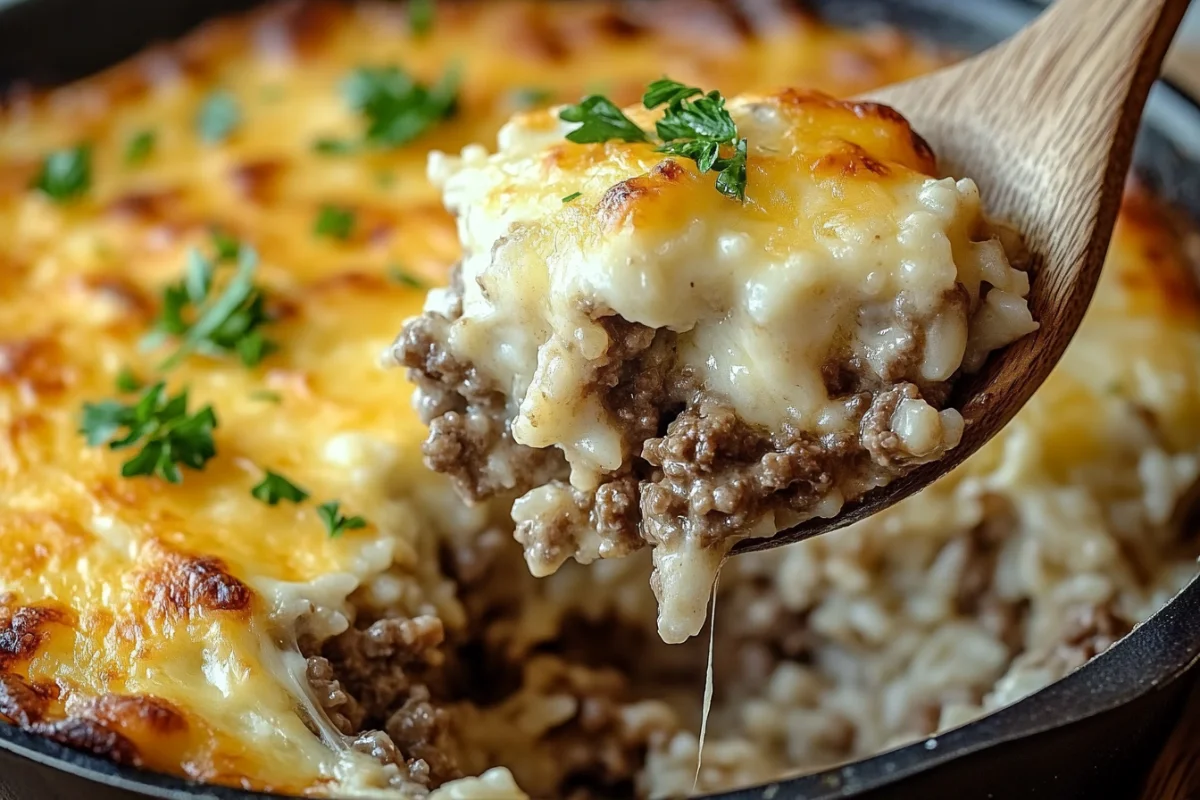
point(335, 523)
point(218, 117)
point(397, 108)
point(602, 122)
point(420, 17)
point(704, 118)
point(227, 247)
point(705, 153)
point(274, 487)
point(218, 325)
point(329, 146)
point(405, 278)
point(572, 196)
point(66, 173)
point(140, 146)
point(665, 90)
point(334, 222)
point(731, 182)
point(127, 381)
point(169, 436)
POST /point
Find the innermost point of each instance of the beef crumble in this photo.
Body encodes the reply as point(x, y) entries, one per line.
point(470, 438)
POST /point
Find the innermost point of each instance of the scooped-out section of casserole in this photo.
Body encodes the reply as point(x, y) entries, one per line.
point(662, 358)
point(260, 584)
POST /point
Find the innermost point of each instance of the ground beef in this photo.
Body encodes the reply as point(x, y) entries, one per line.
point(371, 682)
point(469, 436)
point(878, 438)
point(719, 475)
point(636, 380)
point(343, 710)
point(693, 468)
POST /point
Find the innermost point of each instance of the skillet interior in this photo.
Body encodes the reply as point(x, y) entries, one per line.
point(1115, 708)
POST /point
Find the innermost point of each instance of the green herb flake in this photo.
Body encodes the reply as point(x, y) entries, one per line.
point(665, 90)
point(335, 523)
point(400, 275)
point(140, 147)
point(274, 487)
point(421, 14)
point(127, 381)
point(168, 435)
point(267, 396)
point(66, 174)
point(329, 146)
point(731, 181)
point(602, 121)
point(334, 222)
point(214, 324)
point(397, 108)
point(572, 196)
point(225, 246)
point(218, 117)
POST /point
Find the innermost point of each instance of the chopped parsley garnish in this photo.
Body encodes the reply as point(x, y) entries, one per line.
point(334, 222)
point(274, 487)
point(66, 173)
point(267, 396)
point(731, 180)
point(226, 247)
point(329, 146)
point(420, 17)
point(211, 323)
point(397, 108)
point(529, 97)
point(572, 196)
point(218, 117)
point(695, 126)
point(169, 436)
point(405, 278)
point(335, 523)
point(127, 381)
point(601, 121)
point(665, 90)
point(140, 146)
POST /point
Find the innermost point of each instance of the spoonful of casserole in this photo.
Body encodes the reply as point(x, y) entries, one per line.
point(701, 324)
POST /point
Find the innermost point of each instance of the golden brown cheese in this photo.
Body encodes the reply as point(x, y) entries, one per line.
point(152, 623)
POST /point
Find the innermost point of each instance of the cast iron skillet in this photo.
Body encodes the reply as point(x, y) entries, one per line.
point(1092, 735)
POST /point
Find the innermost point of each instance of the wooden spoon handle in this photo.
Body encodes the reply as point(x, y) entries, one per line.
point(1070, 90)
point(1084, 66)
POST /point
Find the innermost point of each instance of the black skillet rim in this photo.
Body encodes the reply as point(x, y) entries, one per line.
point(1170, 638)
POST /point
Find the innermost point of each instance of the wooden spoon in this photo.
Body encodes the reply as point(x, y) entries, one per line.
point(1045, 124)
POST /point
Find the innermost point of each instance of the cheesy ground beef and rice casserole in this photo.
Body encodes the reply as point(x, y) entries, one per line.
point(263, 586)
point(681, 360)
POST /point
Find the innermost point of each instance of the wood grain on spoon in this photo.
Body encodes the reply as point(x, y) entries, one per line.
point(1045, 124)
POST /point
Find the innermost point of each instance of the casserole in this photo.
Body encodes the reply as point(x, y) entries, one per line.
point(932, 748)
